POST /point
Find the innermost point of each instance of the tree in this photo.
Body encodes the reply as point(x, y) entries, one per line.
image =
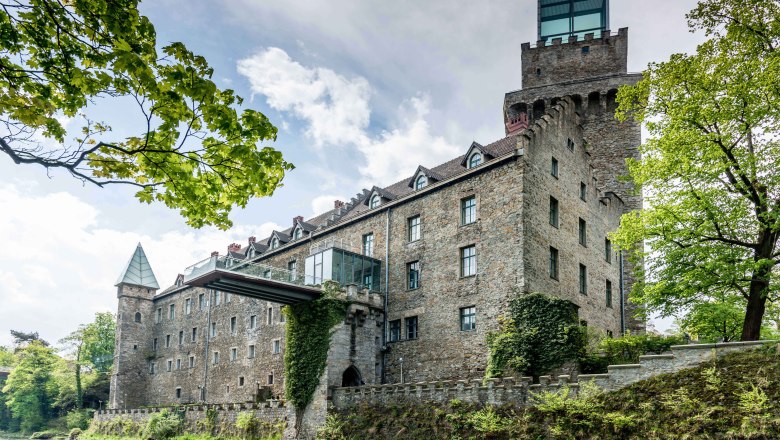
point(21, 339)
point(28, 387)
point(709, 169)
point(715, 321)
point(92, 345)
point(193, 151)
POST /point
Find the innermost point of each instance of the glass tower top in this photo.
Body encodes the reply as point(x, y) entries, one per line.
point(564, 18)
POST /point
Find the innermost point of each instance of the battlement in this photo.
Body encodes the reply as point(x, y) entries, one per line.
point(591, 57)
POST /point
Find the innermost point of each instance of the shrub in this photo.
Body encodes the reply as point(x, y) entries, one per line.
point(44, 434)
point(79, 418)
point(163, 425)
point(74, 434)
point(247, 423)
point(627, 349)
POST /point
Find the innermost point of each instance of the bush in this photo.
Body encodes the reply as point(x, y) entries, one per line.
point(627, 349)
point(79, 418)
point(74, 434)
point(163, 425)
point(44, 434)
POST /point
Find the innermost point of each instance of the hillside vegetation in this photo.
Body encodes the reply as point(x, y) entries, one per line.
point(736, 397)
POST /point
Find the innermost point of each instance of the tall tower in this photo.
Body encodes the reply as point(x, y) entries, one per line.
point(136, 288)
point(578, 56)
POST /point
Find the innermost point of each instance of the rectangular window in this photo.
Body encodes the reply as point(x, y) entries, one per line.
point(368, 244)
point(158, 317)
point(181, 337)
point(554, 211)
point(152, 366)
point(215, 359)
point(178, 364)
point(554, 167)
point(233, 354)
point(292, 266)
point(413, 225)
point(583, 279)
point(169, 365)
point(213, 329)
point(241, 381)
point(413, 275)
point(167, 341)
point(154, 344)
point(583, 233)
point(553, 263)
point(251, 351)
point(411, 327)
point(277, 347)
point(233, 325)
point(583, 191)
point(570, 144)
point(468, 210)
point(228, 296)
point(178, 393)
point(171, 311)
point(217, 297)
point(188, 306)
point(608, 250)
point(468, 319)
point(271, 379)
point(395, 330)
point(270, 316)
point(609, 293)
point(253, 322)
point(192, 361)
point(194, 335)
point(281, 314)
point(201, 301)
point(468, 261)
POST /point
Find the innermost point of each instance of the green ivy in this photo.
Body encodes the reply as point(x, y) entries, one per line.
point(309, 330)
point(541, 334)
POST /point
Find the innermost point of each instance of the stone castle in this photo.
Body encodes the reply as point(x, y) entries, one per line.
point(428, 263)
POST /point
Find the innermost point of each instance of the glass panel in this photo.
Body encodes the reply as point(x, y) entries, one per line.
point(376, 267)
point(327, 265)
point(346, 277)
point(338, 263)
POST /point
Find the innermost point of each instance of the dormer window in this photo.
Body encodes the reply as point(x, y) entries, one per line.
point(298, 233)
point(475, 159)
point(375, 200)
point(274, 243)
point(251, 253)
point(421, 182)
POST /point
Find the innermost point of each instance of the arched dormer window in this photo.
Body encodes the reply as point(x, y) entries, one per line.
point(475, 159)
point(298, 233)
point(251, 253)
point(274, 243)
point(137, 317)
point(420, 182)
point(375, 201)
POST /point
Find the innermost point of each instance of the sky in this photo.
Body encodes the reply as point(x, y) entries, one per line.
point(362, 92)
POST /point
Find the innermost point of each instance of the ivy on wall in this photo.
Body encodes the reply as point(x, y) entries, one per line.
point(309, 330)
point(541, 334)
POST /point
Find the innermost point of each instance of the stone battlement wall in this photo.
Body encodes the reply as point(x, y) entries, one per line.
point(518, 391)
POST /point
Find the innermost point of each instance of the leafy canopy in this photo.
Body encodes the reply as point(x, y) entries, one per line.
point(709, 169)
point(191, 149)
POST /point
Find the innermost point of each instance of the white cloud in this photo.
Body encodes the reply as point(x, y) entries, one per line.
point(65, 269)
point(336, 110)
point(324, 203)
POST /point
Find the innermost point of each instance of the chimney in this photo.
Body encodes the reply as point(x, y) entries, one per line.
point(338, 204)
point(252, 239)
point(297, 219)
point(234, 247)
point(215, 254)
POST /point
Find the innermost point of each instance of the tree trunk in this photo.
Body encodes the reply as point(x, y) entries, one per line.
point(756, 305)
point(79, 393)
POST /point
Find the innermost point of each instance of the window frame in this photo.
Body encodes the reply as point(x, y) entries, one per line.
point(375, 201)
point(468, 318)
point(411, 268)
point(607, 250)
point(394, 330)
point(608, 293)
point(583, 279)
point(468, 263)
point(411, 327)
point(554, 167)
point(468, 211)
point(583, 232)
point(583, 191)
point(554, 263)
point(554, 212)
point(478, 156)
point(367, 244)
point(421, 182)
point(414, 228)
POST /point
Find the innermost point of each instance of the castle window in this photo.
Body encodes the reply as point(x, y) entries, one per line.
point(608, 292)
point(213, 329)
point(553, 263)
point(411, 327)
point(277, 346)
point(233, 354)
point(475, 159)
point(298, 233)
point(233, 325)
point(413, 275)
point(468, 319)
point(154, 344)
point(181, 337)
point(375, 201)
point(583, 229)
point(170, 365)
point(167, 341)
point(253, 322)
point(194, 336)
point(201, 301)
point(152, 366)
point(583, 279)
point(281, 314)
point(413, 226)
point(468, 210)
point(192, 361)
point(270, 316)
point(271, 378)
point(188, 306)
point(135, 347)
point(292, 266)
point(583, 191)
point(241, 381)
point(217, 297)
point(554, 211)
point(538, 72)
point(178, 393)
point(228, 297)
point(570, 144)
point(171, 311)
point(178, 364)
point(468, 261)
point(608, 250)
point(421, 182)
point(158, 316)
point(137, 317)
point(251, 253)
point(554, 167)
point(395, 330)
point(274, 243)
point(251, 351)
point(585, 50)
point(215, 358)
point(368, 244)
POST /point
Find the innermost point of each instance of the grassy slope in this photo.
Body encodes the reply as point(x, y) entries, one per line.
point(738, 397)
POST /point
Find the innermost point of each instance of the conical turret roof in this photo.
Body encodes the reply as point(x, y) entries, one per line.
point(138, 271)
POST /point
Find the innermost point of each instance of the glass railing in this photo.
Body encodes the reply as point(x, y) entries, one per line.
point(244, 267)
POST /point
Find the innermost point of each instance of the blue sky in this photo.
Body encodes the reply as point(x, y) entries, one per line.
point(362, 93)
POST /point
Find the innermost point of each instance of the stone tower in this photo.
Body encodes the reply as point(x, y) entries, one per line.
point(589, 67)
point(136, 287)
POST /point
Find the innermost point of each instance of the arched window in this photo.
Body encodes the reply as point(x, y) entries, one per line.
point(374, 201)
point(298, 233)
point(274, 243)
point(421, 182)
point(475, 160)
point(251, 253)
point(137, 316)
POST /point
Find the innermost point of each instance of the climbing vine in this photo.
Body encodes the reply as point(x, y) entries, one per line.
point(309, 330)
